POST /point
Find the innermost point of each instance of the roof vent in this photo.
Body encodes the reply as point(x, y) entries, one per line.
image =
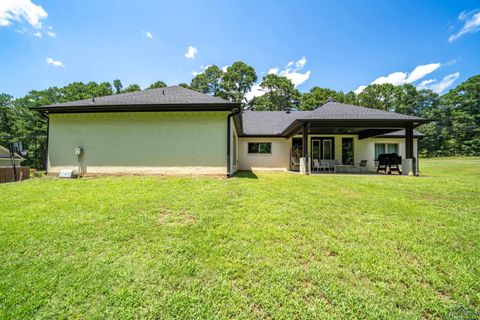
point(288, 110)
point(163, 92)
point(93, 98)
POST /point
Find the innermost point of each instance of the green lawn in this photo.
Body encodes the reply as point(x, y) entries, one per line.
point(275, 245)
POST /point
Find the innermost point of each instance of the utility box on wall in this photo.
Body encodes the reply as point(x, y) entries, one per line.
point(78, 151)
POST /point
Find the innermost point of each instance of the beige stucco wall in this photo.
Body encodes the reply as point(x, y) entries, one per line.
point(279, 159)
point(364, 149)
point(140, 142)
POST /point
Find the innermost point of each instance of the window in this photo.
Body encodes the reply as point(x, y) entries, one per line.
point(259, 147)
point(381, 148)
point(323, 148)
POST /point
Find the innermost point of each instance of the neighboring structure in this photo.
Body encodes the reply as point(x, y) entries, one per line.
point(11, 171)
point(174, 130)
point(6, 160)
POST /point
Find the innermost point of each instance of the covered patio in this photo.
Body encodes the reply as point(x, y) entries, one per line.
point(319, 129)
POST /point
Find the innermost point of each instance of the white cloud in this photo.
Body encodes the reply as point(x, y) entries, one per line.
point(421, 71)
point(256, 91)
point(471, 24)
point(191, 52)
point(194, 73)
point(360, 89)
point(273, 71)
point(301, 63)
point(149, 34)
point(224, 68)
point(55, 63)
point(21, 10)
point(399, 78)
point(439, 87)
point(292, 71)
point(25, 11)
point(425, 83)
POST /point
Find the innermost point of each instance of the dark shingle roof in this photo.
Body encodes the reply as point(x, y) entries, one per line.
point(276, 122)
point(269, 122)
point(341, 111)
point(174, 95)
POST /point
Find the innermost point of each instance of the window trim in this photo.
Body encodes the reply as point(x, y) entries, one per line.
point(259, 153)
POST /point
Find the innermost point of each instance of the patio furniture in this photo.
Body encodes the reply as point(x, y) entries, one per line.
point(324, 165)
point(316, 165)
point(362, 166)
point(295, 163)
point(388, 162)
point(342, 168)
point(332, 164)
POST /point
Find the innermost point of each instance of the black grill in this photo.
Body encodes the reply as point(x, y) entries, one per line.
point(389, 162)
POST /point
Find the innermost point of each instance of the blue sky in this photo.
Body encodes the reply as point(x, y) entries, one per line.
point(336, 44)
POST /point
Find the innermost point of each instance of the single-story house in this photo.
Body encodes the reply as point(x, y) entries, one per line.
point(6, 160)
point(175, 130)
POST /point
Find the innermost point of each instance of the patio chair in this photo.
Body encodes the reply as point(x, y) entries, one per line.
point(362, 166)
point(332, 163)
point(324, 164)
point(316, 165)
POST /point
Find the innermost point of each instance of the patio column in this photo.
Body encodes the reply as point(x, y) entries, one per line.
point(305, 158)
point(408, 167)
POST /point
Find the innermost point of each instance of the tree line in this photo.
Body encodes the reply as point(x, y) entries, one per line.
point(454, 130)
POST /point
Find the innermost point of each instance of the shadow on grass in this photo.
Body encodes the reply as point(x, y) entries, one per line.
point(246, 174)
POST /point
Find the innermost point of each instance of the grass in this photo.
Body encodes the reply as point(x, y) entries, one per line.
point(271, 245)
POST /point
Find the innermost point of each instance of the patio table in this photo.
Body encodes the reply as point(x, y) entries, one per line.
point(345, 168)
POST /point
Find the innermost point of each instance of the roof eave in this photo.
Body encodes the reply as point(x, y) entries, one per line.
point(136, 108)
point(295, 125)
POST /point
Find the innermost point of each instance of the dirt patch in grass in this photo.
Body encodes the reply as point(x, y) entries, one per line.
point(259, 311)
point(170, 217)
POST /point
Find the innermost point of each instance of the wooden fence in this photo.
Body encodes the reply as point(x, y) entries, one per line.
point(6, 174)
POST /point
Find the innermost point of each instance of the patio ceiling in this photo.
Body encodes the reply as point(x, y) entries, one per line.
point(364, 128)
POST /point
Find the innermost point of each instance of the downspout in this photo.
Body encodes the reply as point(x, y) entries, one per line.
point(46, 115)
point(235, 111)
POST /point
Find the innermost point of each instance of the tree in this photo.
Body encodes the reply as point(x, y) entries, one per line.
point(208, 81)
point(184, 85)
point(118, 86)
point(317, 97)
point(132, 88)
point(280, 94)
point(157, 84)
point(464, 104)
point(6, 103)
point(237, 81)
point(80, 90)
point(379, 96)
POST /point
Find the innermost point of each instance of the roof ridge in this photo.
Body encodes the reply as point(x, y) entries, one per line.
point(172, 95)
point(332, 104)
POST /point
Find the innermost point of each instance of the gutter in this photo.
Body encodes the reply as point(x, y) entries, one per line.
point(235, 111)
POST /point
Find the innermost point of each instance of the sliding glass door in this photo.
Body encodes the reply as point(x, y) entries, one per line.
point(323, 148)
point(347, 151)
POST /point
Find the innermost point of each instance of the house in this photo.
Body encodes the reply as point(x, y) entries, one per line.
point(6, 160)
point(175, 130)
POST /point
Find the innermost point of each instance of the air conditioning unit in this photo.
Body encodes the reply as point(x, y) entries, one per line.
point(68, 173)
